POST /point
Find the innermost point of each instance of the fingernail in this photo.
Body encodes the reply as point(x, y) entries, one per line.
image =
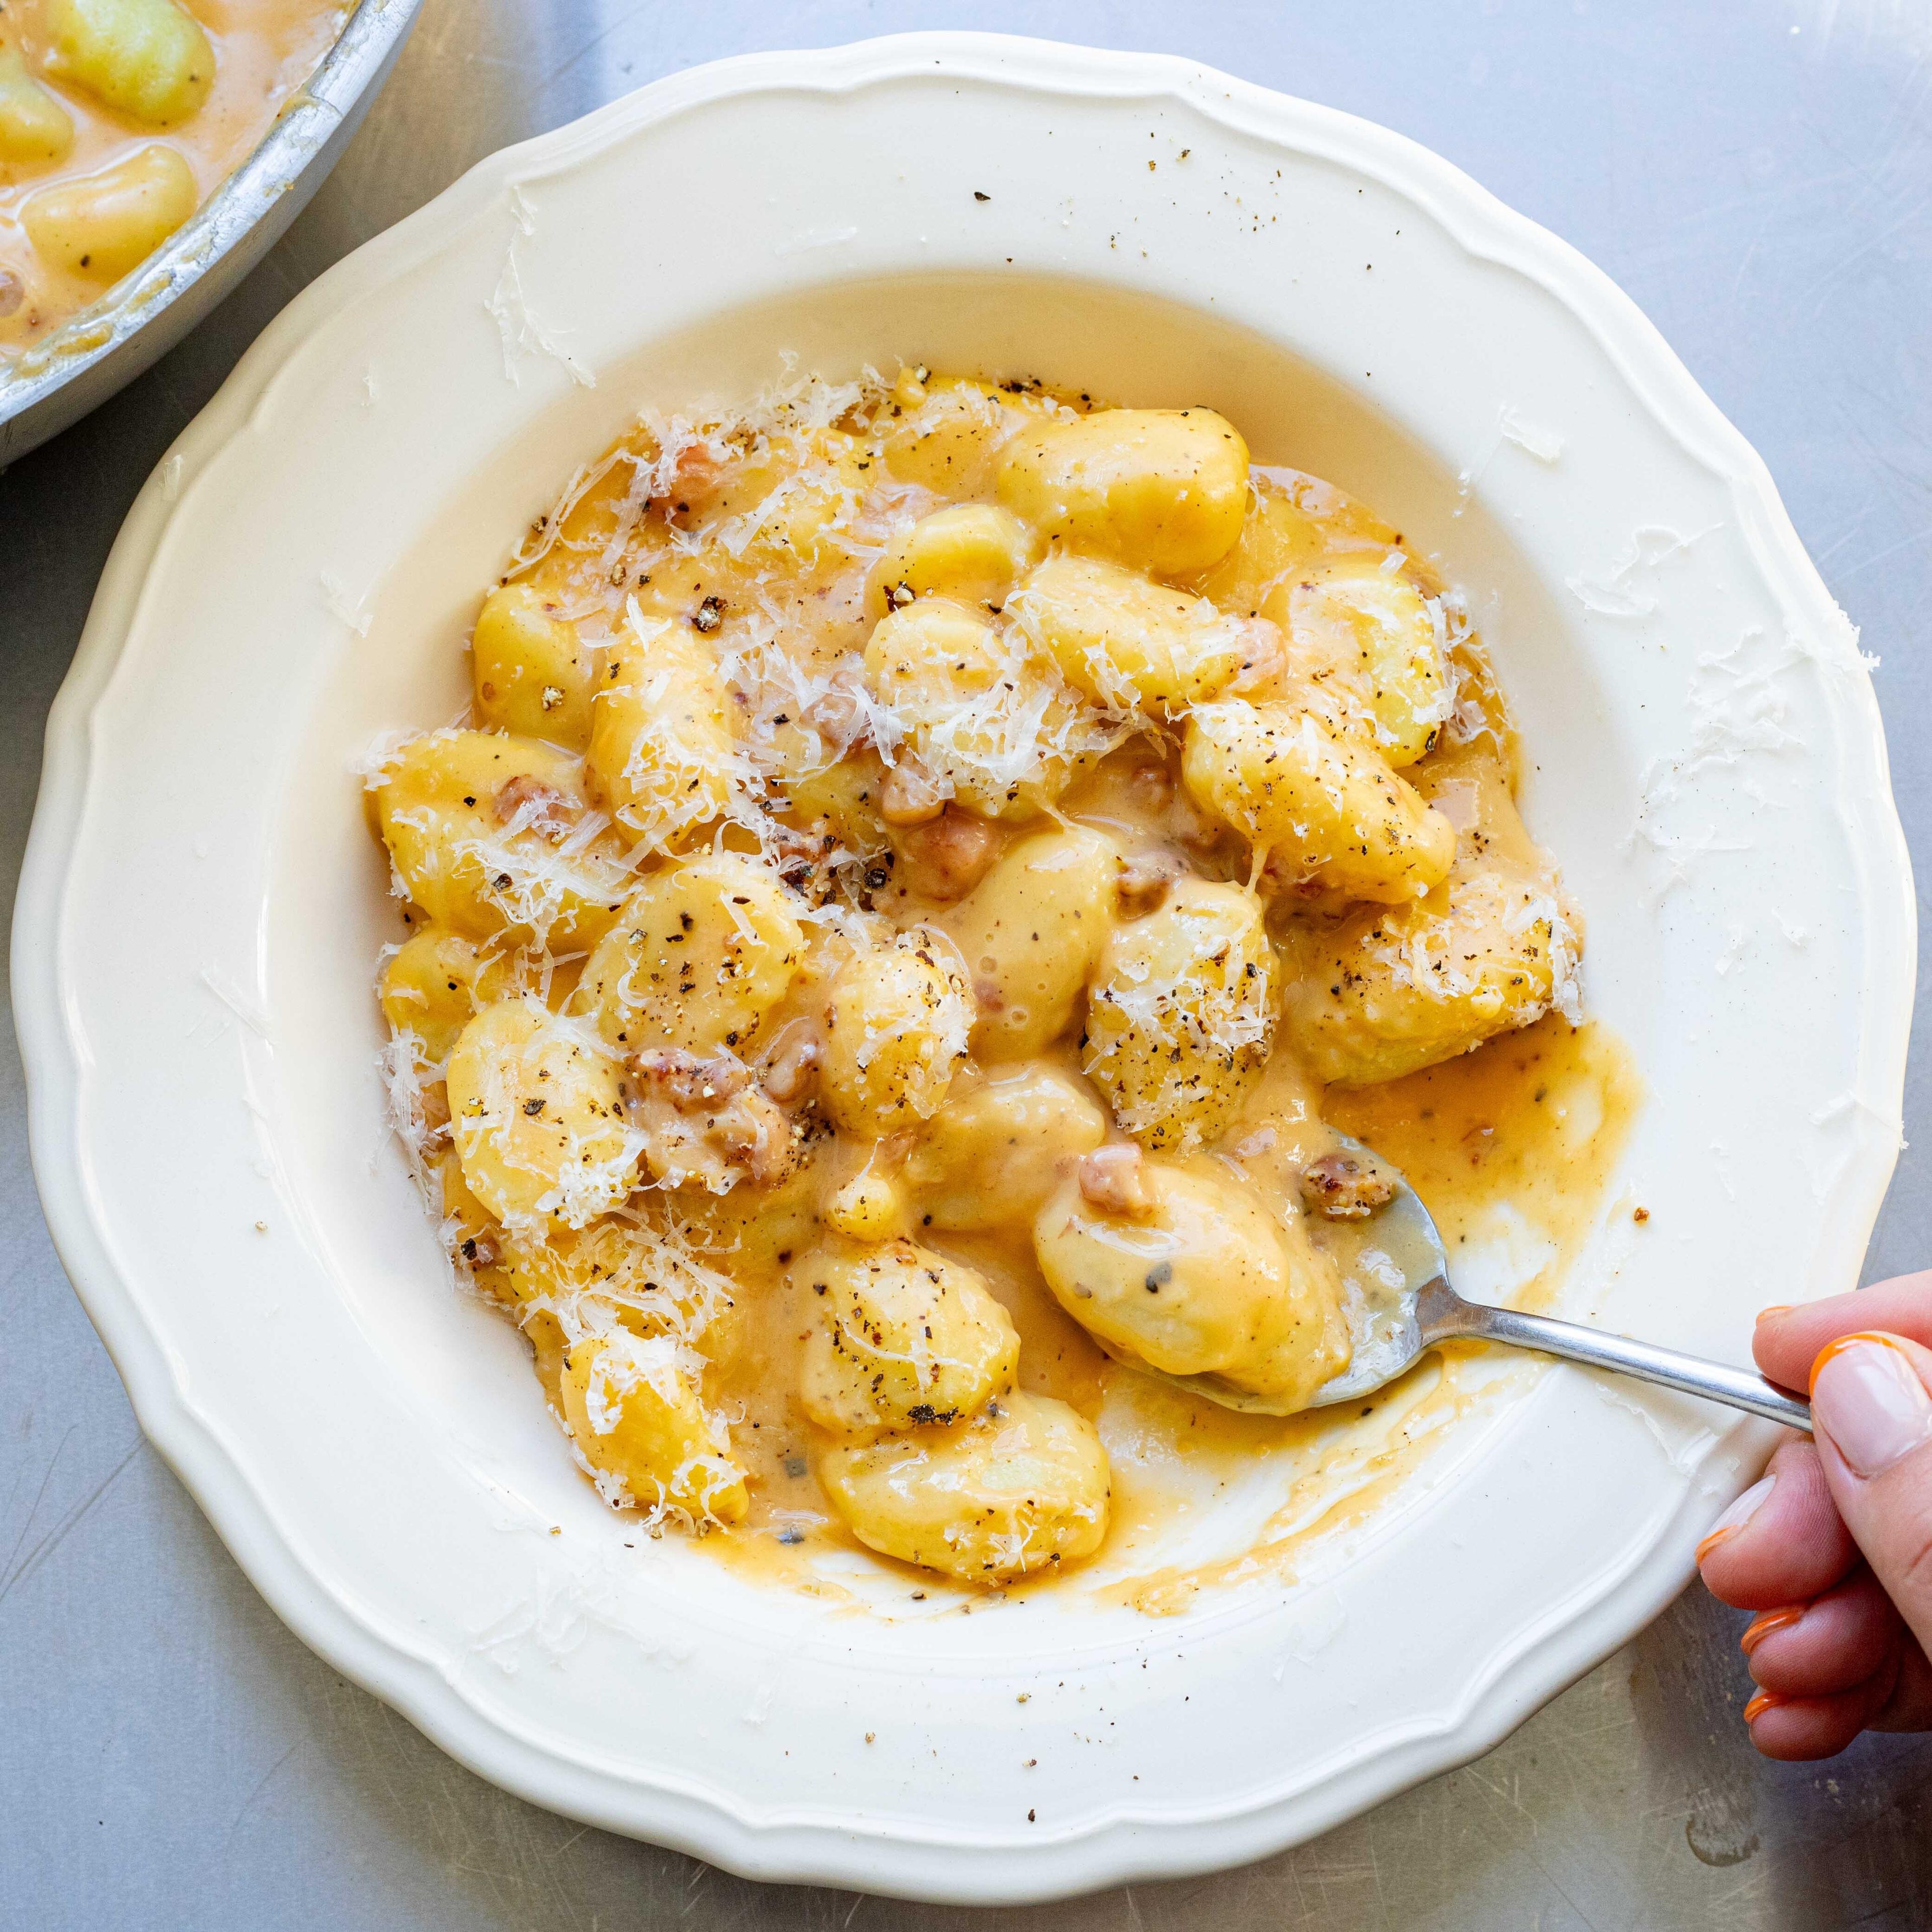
point(1867, 1397)
point(1762, 1625)
point(1776, 1308)
point(1763, 1702)
point(1739, 1513)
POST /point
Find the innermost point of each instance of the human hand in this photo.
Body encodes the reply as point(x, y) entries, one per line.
point(1834, 1547)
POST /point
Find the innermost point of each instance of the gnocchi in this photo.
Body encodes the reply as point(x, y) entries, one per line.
point(1129, 643)
point(699, 954)
point(1300, 778)
point(537, 1112)
point(147, 59)
point(34, 127)
point(1180, 1015)
point(989, 721)
point(101, 225)
point(635, 1411)
point(1377, 623)
point(1000, 1144)
point(473, 1236)
point(661, 755)
point(1022, 1487)
point(1280, 540)
point(1395, 988)
point(902, 1338)
point(897, 1023)
point(617, 1271)
point(1030, 933)
point(493, 838)
point(434, 983)
point(1201, 1279)
point(932, 855)
point(972, 553)
point(945, 433)
point(534, 675)
point(841, 801)
point(1166, 489)
point(871, 1207)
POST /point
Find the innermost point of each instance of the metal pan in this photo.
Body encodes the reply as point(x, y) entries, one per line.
point(58, 380)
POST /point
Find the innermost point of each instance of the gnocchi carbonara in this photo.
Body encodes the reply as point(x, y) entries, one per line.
point(917, 856)
point(117, 119)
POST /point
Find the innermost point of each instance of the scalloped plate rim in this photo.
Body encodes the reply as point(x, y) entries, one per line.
point(1117, 1848)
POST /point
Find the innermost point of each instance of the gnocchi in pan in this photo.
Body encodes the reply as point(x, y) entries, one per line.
point(920, 857)
point(117, 117)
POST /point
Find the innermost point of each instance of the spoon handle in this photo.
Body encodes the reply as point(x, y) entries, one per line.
point(1442, 1314)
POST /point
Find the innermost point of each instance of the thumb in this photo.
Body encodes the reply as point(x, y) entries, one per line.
point(1871, 1414)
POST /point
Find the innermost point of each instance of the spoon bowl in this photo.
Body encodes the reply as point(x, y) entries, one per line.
point(1400, 1305)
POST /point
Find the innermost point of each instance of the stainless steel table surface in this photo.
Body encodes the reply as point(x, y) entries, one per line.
point(1758, 174)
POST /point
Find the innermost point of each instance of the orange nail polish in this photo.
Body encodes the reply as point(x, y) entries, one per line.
point(1762, 1625)
point(1739, 1513)
point(1763, 1702)
point(1776, 1308)
point(1839, 1344)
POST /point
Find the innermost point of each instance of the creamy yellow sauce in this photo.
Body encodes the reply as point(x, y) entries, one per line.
point(681, 689)
point(264, 50)
point(1531, 1126)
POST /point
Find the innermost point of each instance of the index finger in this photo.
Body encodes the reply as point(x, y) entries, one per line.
point(1788, 1339)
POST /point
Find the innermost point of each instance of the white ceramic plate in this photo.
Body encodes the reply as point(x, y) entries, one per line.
point(200, 906)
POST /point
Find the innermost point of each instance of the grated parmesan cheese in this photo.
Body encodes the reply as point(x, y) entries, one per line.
point(725, 572)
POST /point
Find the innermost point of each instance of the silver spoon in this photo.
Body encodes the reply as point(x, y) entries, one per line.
point(1404, 1307)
